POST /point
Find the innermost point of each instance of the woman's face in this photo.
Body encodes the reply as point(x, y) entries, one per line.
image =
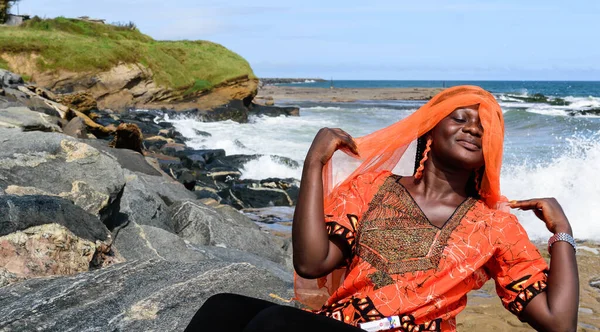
point(457, 139)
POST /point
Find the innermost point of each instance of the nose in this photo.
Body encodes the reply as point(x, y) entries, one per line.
point(473, 127)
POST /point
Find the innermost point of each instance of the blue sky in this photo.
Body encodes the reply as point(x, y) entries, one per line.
point(347, 39)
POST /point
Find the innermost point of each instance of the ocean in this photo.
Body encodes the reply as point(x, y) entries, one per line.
point(552, 140)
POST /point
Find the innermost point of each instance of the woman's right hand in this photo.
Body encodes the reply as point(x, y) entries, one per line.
point(327, 141)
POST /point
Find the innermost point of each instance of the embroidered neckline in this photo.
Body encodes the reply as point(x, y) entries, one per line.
point(396, 237)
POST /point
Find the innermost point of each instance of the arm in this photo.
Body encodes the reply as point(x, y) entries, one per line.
point(556, 308)
point(315, 254)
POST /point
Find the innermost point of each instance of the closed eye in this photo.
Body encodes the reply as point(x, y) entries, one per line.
point(459, 120)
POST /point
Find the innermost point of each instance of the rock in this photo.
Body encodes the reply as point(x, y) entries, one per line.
point(259, 197)
point(203, 225)
point(203, 156)
point(143, 205)
point(155, 143)
point(188, 180)
point(267, 110)
point(8, 79)
point(128, 136)
point(202, 133)
point(28, 120)
point(56, 164)
point(45, 235)
point(234, 110)
point(49, 250)
point(22, 212)
point(172, 149)
point(229, 255)
point(126, 158)
point(143, 242)
point(76, 128)
point(94, 128)
point(134, 296)
point(205, 192)
point(83, 102)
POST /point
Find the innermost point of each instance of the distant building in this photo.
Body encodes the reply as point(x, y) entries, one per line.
point(14, 20)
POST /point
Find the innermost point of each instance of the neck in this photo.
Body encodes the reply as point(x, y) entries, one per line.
point(440, 181)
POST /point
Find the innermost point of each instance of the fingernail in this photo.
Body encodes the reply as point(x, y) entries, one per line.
point(513, 202)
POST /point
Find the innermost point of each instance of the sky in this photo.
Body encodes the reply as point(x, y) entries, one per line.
point(377, 39)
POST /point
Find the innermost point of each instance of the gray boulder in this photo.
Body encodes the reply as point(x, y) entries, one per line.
point(146, 199)
point(203, 225)
point(135, 296)
point(9, 79)
point(143, 242)
point(28, 120)
point(56, 164)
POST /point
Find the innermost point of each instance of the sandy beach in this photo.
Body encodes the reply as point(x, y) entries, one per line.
point(281, 93)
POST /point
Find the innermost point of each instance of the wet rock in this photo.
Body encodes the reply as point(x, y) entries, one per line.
point(259, 197)
point(202, 133)
point(188, 180)
point(274, 110)
point(234, 110)
point(206, 192)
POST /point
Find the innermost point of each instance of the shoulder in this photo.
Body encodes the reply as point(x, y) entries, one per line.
point(371, 180)
point(482, 212)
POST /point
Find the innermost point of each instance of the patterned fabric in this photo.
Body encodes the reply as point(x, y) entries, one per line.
point(403, 265)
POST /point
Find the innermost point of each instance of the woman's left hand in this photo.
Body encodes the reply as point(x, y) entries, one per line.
point(548, 210)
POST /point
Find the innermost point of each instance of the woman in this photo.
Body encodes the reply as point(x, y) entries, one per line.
point(384, 251)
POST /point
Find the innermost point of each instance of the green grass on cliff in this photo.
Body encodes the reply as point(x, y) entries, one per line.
point(80, 46)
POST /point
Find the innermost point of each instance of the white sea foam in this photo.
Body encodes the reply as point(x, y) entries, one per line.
point(265, 167)
point(572, 178)
point(583, 102)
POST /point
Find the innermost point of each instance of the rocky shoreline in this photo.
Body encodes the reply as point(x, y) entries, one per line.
point(92, 209)
point(108, 221)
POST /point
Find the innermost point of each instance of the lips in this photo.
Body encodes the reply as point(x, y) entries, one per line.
point(469, 144)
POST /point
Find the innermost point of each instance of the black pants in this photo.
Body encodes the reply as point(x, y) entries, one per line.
point(231, 312)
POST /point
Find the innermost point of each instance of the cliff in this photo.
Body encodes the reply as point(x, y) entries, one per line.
point(122, 68)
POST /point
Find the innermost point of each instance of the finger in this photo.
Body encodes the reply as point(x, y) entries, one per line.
point(348, 140)
point(527, 204)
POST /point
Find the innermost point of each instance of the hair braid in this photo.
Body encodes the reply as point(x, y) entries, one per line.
point(419, 172)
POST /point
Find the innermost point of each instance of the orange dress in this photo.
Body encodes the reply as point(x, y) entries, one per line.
point(402, 265)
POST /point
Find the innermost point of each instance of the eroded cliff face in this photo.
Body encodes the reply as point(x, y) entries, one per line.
point(130, 85)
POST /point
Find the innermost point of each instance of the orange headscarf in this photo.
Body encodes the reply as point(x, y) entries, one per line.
point(383, 149)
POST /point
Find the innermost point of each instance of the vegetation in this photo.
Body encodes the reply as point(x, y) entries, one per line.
point(4, 8)
point(81, 46)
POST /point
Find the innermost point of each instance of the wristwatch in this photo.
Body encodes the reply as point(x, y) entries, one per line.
point(562, 237)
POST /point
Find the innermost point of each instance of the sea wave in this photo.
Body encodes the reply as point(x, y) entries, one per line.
point(571, 177)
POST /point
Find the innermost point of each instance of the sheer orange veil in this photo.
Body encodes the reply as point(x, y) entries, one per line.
point(383, 150)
